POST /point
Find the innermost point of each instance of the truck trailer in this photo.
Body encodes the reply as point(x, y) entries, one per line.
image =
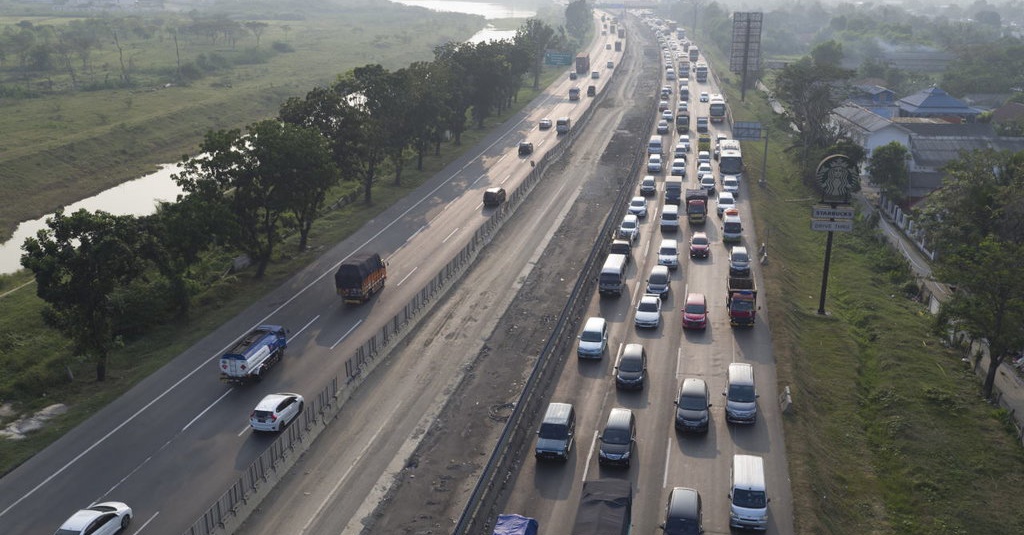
point(741, 301)
point(253, 354)
point(606, 507)
point(582, 64)
point(360, 277)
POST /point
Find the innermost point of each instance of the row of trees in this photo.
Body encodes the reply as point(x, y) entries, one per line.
point(107, 277)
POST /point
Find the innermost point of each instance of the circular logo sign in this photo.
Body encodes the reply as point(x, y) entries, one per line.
point(838, 178)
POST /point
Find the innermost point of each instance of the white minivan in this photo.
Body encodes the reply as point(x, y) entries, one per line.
point(655, 145)
point(669, 218)
point(748, 495)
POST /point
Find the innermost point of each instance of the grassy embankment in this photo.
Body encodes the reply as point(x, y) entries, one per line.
point(888, 433)
point(35, 354)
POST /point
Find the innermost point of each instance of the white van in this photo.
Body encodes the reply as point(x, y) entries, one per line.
point(748, 496)
point(613, 275)
point(593, 339)
point(655, 145)
point(732, 226)
point(740, 393)
point(670, 218)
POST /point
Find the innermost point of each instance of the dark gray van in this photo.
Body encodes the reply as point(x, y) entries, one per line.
point(556, 433)
point(618, 438)
point(692, 406)
point(683, 515)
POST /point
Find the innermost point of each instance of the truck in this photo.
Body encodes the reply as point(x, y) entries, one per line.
point(696, 206)
point(673, 190)
point(254, 354)
point(606, 508)
point(361, 276)
point(694, 53)
point(512, 524)
point(702, 126)
point(741, 300)
point(622, 33)
point(582, 64)
point(682, 123)
point(704, 142)
point(702, 72)
point(574, 93)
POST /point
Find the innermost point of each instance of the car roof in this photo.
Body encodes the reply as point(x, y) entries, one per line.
point(81, 519)
point(270, 401)
point(683, 503)
point(594, 323)
point(694, 297)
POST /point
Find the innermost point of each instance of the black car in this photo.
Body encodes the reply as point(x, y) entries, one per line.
point(525, 148)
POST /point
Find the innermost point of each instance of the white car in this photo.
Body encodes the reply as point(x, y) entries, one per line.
point(654, 163)
point(725, 202)
point(703, 157)
point(275, 411)
point(648, 312)
point(663, 127)
point(683, 106)
point(684, 140)
point(704, 96)
point(708, 183)
point(648, 186)
point(680, 151)
point(678, 167)
point(730, 184)
point(703, 170)
point(666, 115)
point(668, 254)
point(638, 207)
point(629, 229)
point(104, 518)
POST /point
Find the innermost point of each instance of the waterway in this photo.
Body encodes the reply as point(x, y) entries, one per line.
point(140, 197)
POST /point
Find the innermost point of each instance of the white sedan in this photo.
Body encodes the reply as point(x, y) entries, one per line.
point(104, 518)
point(275, 411)
point(704, 96)
point(638, 207)
point(648, 312)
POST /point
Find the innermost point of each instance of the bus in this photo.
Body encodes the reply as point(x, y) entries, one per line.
point(717, 108)
point(730, 158)
point(694, 53)
point(702, 72)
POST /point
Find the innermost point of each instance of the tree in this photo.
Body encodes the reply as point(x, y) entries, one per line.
point(888, 170)
point(79, 261)
point(828, 54)
point(337, 120)
point(579, 18)
point(257, 29)
point(534, 37)
point(976, 222)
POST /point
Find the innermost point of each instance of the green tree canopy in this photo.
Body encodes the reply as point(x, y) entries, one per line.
point(888, 170)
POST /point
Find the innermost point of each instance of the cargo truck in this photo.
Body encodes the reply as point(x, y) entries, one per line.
point(360, 277)
point(682, 123)
point(582, 64)
point(606, 508)
point(696, 206)
point(702, 72)
point(741, 300)
point(673, 190)
point(694, 53)
point(254, 354)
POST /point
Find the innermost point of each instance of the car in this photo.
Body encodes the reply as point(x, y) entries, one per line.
point(611, 64)
point(648, 312)
point(666, 115)
point(663, 105)
point(678, 167)
point(275, 411)
point(683, 106)
point(704, 96)
point(638, 207)
point(648, 185)
point(659, 282)
point(607, 46)
point(622, 247)
point(654, 163)
point(525, 148)
point(593, 338)
point(680, 151)
point(708, 183)
point(695, 311)
point(631, 368)
point(545, 124)
point(725, 202)
point(739, 262)
point(704, 157)
point(595, 75)
point(692, 406)
point(666, 89)
point(703, 170)
point(668, 254)
point(104, 518)
point(573, 75)
point(618, 438)
point(700, 245)
point(683, 514)
point(731, 185)
point(494, 196)
point(684, 139)
point(629, 229)
point(663, 127)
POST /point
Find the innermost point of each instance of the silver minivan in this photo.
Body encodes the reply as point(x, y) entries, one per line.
point(669, 218)
point(748, 494)
point(660, 281)
point(593, 338)
point(740, 394)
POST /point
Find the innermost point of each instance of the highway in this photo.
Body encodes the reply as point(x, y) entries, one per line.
point(172, 445)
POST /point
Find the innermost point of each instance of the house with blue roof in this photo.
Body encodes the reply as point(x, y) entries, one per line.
point(937, 104)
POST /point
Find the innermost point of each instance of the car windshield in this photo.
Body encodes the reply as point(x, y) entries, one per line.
point(726, 201)
point(693, 403)
point(658, 278)
point(742, 393)
point(629, 225)
point(740, 258)
point(591, 336)
point(648, 306)
point(681, 526)
point(631, 364)
point(700, 240)
point(694, 308)
point(667, 250)
point(638, 203)
point(732, 227)
point(616, 436)
point(553, 431)
point(749, 498)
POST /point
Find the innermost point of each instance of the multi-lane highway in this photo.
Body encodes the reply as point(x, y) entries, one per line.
point(174, 443)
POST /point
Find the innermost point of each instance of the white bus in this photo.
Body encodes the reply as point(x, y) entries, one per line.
point(730, 158)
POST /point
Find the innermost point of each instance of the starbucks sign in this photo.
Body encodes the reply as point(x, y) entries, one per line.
point(838, 177)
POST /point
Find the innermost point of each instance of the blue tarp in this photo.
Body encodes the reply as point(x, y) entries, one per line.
point(515, 525)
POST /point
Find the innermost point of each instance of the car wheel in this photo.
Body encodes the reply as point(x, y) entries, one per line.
point(125, 520)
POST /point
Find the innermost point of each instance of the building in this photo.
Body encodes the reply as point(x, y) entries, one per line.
point(936, 103)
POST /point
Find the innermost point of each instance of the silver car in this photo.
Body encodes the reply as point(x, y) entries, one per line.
point(638, 207)
point(648, 312)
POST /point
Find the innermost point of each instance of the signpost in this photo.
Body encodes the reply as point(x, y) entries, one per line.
point(838, 178)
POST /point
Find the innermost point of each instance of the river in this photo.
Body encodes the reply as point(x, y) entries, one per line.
point(140, 196)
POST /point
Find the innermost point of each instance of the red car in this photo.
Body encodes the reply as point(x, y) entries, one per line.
point(700, 246)
point(695, 312)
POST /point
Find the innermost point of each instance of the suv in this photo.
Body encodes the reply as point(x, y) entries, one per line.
point(494, 196)
point(622, 247)
point(630, 227)
point(275, 411)
point(631, 369)
point(618, 438)
point(555, 436)
point(648, 186)
point(593, 338)
point(739, 262)
point(683, 515)
point(525, 148)
point(692, 406)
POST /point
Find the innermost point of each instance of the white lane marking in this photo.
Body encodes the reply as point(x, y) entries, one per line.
point(330, 270)
point(505, 179)
point(668, 454)
point(344, 336)
point(210, 406)
point(590, 455)
point(306, 326)
point(330, 495)
point(448, 237)
point(244, 430)
point(143, 526)
point(477, 180)
point(407, 276)
point(414, 234)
